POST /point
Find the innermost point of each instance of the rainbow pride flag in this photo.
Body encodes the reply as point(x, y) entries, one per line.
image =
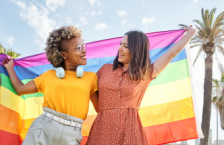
point(167, 111)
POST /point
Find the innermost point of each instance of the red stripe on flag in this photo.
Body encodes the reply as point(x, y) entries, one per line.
point(7, 138)
point(168, 132)
point(172, 132)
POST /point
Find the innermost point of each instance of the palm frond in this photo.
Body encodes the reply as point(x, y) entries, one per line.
point(195, 45)
point(182, 26)
point(199, 22)
point(220, 49)
point(199, 52)
point(211, 15)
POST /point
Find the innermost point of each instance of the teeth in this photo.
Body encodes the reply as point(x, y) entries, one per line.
point(83, 57)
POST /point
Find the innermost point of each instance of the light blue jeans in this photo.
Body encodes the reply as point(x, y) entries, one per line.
point(46, 131)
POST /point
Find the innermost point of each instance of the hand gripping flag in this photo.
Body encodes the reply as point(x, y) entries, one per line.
point(167, 110)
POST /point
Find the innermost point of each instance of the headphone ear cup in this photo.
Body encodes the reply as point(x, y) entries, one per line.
point(79, 72)
point(60, 72)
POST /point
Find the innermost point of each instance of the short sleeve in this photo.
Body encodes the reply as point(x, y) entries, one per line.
point(94, 85)
point(100, 71)
point(152, 66)
point(39, 82)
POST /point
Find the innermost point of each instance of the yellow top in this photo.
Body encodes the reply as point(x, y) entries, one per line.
point(69, 95)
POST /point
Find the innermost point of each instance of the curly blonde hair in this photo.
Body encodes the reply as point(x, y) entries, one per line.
point(53, 50)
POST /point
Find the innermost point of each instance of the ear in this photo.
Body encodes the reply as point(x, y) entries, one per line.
point(63, 54)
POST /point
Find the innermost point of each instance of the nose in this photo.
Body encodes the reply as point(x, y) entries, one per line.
point(120, 48)
point(84, 50)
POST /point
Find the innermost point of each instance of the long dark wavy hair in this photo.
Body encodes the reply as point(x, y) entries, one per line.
point(140, 64)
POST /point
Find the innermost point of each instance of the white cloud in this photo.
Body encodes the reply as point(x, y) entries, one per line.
point(100, 12)
point(10, 40)
point(57, 15)
point(93, 12)
point(147, 21)
point(37, 18)
point(128, 24)
point(69, 20)
point(99, 3)
point(92, 2)
point(101, 26)
point(20, 4)
point(124, 22)
point(96, 13)
point(121, 13)
point(77, 24)
point(131, 25)
point(83, 20)
point(195, 1)
point(53, 4)
point(41, 45)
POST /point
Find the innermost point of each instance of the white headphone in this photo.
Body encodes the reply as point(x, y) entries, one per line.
point(60, 72)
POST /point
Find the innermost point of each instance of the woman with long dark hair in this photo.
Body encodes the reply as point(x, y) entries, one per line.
point(122, 86)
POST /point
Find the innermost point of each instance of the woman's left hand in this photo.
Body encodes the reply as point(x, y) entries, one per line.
point(191, 30)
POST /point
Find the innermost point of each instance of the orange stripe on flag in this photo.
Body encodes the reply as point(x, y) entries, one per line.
point(11, 122)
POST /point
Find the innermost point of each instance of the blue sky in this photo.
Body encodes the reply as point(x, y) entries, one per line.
point(25, 25)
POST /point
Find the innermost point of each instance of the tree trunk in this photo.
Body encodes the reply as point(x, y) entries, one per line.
point(207, 98)
point(221, 112)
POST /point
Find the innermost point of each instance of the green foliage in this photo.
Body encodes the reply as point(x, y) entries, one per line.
point(210, 33)
point(9, 52)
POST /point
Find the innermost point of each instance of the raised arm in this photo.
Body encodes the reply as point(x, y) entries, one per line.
point(19, 87)
point(161, 63)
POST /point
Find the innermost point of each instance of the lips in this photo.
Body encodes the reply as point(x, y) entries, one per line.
point(83, 57)
point(120, 55)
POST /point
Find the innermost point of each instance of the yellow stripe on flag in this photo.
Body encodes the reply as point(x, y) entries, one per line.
point(27, 109)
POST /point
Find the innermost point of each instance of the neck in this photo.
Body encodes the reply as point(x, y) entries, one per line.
point(70, 67)
point(125, 67)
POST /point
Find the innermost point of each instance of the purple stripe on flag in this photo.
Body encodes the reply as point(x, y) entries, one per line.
point(104, 48)
point(109, 47)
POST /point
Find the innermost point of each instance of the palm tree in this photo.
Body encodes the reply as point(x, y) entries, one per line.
point(8, 52)
point(218, 94)
point(209, 39)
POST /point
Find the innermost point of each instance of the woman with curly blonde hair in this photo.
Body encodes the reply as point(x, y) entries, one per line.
point(66, 100)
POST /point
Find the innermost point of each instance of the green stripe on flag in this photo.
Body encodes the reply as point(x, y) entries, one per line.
point(5, 82)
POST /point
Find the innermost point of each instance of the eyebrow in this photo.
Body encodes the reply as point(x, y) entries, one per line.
point(124, 43)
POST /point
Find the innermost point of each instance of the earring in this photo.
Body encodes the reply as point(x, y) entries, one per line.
point(60, 72)
point(65, 58)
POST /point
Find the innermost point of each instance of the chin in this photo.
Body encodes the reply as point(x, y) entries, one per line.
point(121, 61)
point(84, 63)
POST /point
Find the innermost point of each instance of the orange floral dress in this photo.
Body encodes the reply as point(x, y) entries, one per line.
point(118, 122)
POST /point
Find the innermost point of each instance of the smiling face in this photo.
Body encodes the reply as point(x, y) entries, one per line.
point(70, 53)
point(124, 55)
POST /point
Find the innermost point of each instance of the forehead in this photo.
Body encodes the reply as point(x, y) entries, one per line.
point(125, 39)
point(75, 40)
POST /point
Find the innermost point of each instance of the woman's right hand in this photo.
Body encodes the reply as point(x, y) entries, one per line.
point(8, 62)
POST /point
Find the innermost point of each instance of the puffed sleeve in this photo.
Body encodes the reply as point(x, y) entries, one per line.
point(95, 84)
point(39, 82)
point(100, 71)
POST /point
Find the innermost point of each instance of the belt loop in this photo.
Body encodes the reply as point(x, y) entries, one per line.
point(75, 126)
point(52, 115)
point(44, 114)
point(71, 123)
